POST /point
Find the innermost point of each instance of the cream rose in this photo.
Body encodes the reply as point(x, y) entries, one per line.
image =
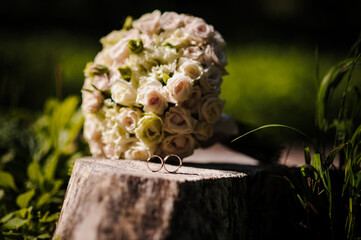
point(92, 127)
point(120, 51)
point(193, 100)
point(96, 148)
point(179, 120)
point(151, 95)
point(178, 38)
point(210, 109)
point(179, 87)
point(215, 54)
point(137, 151)
point(169, 20)
point(123, 93)
point(181, 144)
point(92, 101)
point(203, 131)
point(128, 118)
point(150, 129)
point(148, 23)
point(101, 82)
point(112, 151)
point(191, 68)
point(192, 52)
point(199, 30)
point(211, 81)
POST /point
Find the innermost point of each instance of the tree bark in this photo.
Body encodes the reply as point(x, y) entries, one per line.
point(108, 199)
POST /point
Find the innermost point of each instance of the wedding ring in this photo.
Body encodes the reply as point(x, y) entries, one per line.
point(172, 169)
point(154, 163)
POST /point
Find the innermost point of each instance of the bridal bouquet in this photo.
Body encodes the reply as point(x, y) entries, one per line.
point(154, 87)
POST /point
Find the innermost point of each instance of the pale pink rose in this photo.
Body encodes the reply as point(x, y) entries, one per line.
point(104, 57)
point(101, 82)
point(215, 54)
point(148, 23)
point(137, 151)
point(179, 87)
point(112, 150)
point(186, 19)
point(92, 101)
point(179, 120)
point(191, 68)
point(152, 96)
point(128, 118)
point(199, 30)
point(181, 144)
point(211, 81)
point(203, 131)
point(123, 92)
point(218, 39)
point(91, 127)
point(120, 51)
point(178, 38)
point(210, 109)
point(192, 52)
point(193, 100)
point(170, 20)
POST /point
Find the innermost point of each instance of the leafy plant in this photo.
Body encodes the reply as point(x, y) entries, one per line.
point(331, 195)
point(34, 176)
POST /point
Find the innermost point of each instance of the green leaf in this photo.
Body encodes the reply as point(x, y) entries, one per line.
point(7, 180)
point(44, 198)
point(165, 78)
point(50, 166)
point(44, 236)
point(7, 217)
point(23, 199)
point(99, 69)
point(135, 46)
point(128, 23)
point(307, 155)
point(34, 173)
point(126, 72)
point(15, 223)
point(331, 156)
point(53, 217)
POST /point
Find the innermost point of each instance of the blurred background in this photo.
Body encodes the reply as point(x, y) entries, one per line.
point(45, 45)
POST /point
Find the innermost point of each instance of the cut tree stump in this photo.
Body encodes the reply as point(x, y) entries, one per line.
point(108, 199)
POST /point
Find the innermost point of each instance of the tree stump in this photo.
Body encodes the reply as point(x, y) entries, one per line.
point(108, 199)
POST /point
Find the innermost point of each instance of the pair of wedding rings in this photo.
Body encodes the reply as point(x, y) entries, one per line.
point(171, 163)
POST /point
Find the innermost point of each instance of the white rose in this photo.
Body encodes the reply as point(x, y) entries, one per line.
point(192, 52)
point(150, 129)
point(203, 131)
point(112, 151)
point(199, 30)
point(193, 100)
point(104, 57)
point(179, 120)
point(178, 38)
point(137, 151)
point(151, 95)
point(92, 127)
point(170, 20)
point(191, 68)
point(101, 82)
point(96, 148)
point(210, 109)
point(181, 144)
point(179, 87)
point(128, 118)
point(120, 51)
point(186, 19)
point(92, 101)
point(148, 23)
point(211, 80)
point(214, 53)
point(123, 93)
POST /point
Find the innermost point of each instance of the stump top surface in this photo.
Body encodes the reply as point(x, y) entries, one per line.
point(139, 168)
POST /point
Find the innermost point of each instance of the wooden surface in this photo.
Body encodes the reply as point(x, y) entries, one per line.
point(109, 199)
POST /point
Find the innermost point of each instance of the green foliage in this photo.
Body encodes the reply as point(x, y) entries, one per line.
point(34, 186)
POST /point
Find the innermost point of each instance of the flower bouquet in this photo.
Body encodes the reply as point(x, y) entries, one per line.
point(154, 88)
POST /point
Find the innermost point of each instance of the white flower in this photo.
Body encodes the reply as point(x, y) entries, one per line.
point(181, 144)
point(214, 53)
point(92, 101)
point(128, 118)
point(92, 127)
point(151, 95)
point(169, 20)
point(148, 23)
point(123, 93)
point(179, 87)
point(103, 57)
point(191, 68)
point(101, 82)
point(138, 151)
point(112, 151)
point(177, 38)
point(211, 80)
point(199, 30)
point(96, 148)
point(218, 39)
point(179, 120)
point(120, 51)
point(210, 109)
point(192, 52)
point(203, 131)
point(193, 100)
